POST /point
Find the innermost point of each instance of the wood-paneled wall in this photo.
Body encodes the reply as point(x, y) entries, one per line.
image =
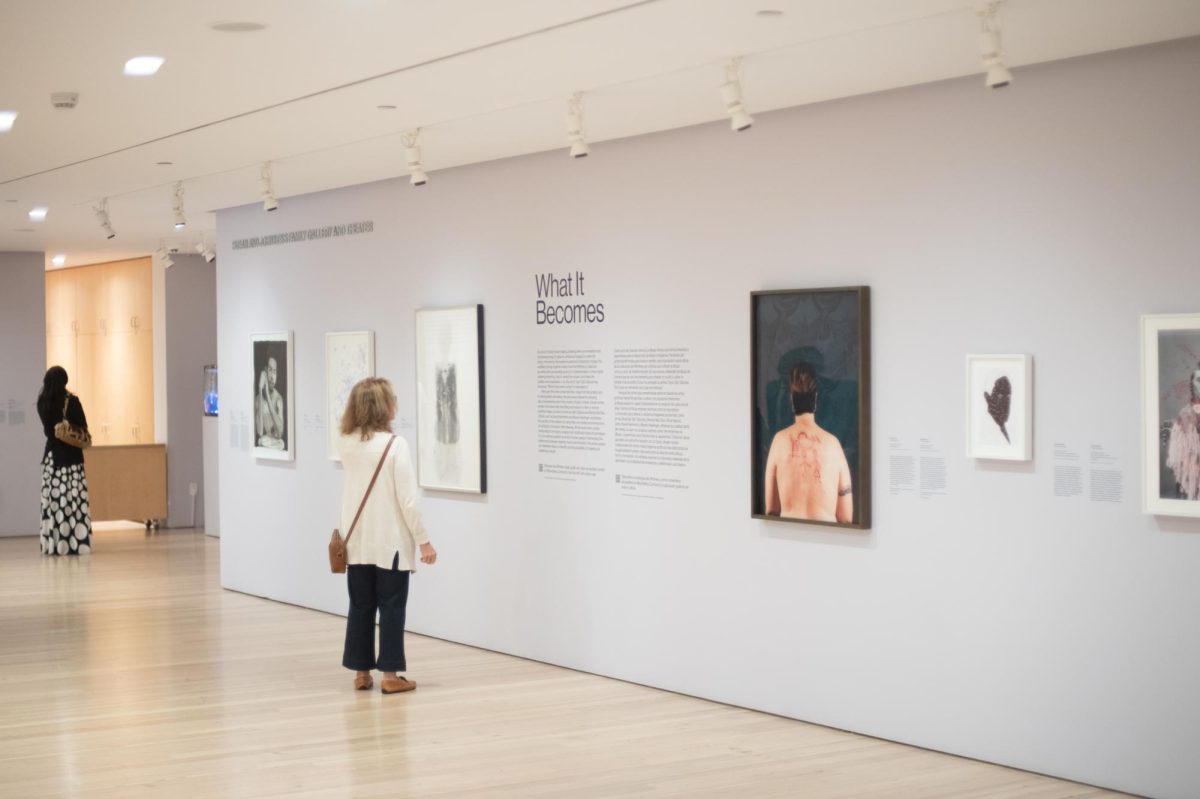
point(99, 328)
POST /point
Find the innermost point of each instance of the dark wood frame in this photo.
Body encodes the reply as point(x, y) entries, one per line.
point(862, 480)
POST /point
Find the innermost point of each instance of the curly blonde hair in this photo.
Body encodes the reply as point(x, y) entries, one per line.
point(370, 409)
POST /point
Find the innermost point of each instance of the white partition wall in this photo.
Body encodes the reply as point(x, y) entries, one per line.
point(1023, 613)
point(22, 366)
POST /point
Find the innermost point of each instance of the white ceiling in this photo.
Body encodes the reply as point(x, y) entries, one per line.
point(484, 79)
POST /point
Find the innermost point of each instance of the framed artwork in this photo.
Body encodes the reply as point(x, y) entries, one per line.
point(1000, 407)
point(274, 390)
point(810, 395)
point(451, 440)
point(349, 357)
point(1171, 414)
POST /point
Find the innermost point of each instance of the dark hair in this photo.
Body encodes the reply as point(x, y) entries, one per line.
point(54, 392)
point(803, 378)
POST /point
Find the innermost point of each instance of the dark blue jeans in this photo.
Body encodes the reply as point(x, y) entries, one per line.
point(372, 588)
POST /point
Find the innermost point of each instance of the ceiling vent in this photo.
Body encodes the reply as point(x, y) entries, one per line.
point(64, 99)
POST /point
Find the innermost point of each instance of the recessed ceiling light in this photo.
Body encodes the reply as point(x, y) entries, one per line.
point(59, 259)
point(769, 12)
point(237, 27)
point(164, 163)
point(386, 107)
point(143, 65)
point(38, 213)
point(7, 118)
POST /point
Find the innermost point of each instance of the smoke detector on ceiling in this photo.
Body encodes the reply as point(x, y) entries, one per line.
point(64, 99)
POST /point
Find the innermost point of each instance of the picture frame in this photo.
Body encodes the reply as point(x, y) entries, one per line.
point(810, 355)
point(1171, 414)
point(451, 419)
point(999, 407)
point(349, 358)
point(273, 414)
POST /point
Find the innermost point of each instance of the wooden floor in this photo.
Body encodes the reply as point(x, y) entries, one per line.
point(130, 673)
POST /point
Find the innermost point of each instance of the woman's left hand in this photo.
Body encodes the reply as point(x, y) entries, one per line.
point(428, 554)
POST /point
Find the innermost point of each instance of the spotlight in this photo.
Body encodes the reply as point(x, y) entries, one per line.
point(206, 252)
point(731, 94)
point(165, 257)
point(265, 189)
point(59, 260)
point(579, 146)
point(412, 155)
point(997, 76)
point(7, 118)
point(101, 212)
point(177, 206)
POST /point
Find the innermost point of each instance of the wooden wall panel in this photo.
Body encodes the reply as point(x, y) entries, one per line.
point(99, 327)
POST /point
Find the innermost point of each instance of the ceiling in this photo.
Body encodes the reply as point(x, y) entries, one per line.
point(482, 79)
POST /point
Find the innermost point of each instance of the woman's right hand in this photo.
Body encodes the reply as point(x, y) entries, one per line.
point(428, 554)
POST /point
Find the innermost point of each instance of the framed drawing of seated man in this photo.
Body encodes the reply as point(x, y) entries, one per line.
point(810, 389)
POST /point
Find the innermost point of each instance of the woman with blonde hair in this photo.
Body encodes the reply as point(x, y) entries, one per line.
point(382, 551)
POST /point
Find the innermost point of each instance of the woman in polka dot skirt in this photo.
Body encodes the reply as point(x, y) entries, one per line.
point(66, 521)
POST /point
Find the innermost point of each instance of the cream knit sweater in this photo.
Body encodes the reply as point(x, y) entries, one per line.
point(391, 522)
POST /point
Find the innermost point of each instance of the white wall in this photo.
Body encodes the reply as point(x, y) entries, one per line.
point(190, 342)
point(22, 365)
point(997, 621)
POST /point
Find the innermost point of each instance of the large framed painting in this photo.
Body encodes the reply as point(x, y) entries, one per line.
point(1171, 414)
point(274, 393)
point(349, 357)
point(451, 440)
point(810, 384)
point(1000, 407)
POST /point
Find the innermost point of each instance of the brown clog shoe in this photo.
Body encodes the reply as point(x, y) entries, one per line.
point(397, 686)
point(363, 682)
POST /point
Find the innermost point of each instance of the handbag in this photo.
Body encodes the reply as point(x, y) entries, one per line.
point(72, 434)
point(337, 544)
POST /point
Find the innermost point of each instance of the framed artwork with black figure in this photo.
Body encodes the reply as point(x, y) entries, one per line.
point(810, 400)
point(999, 398)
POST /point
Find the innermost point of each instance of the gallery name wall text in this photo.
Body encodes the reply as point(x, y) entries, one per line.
point(311, 234)
point(571, 285)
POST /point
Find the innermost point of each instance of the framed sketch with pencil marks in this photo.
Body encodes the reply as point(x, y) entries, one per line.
point(349, 357)
point(451, 440)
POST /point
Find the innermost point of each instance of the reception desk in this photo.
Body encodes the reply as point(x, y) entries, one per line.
point(127, 482)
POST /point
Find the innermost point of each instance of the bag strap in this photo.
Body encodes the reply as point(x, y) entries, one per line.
point(66, 402)
point(363, 504)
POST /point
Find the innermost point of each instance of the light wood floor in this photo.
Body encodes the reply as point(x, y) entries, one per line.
point(130, 673)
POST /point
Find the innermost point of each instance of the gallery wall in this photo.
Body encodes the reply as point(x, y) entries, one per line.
point(992, 610)
point(191, 343)
point(22, 365)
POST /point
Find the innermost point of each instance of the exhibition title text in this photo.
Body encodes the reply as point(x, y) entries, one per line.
point(552, 287)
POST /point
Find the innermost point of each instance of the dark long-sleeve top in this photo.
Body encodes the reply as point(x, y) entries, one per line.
point(64, 454)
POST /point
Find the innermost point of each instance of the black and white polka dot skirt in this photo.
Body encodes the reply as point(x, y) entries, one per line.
point(66, 521)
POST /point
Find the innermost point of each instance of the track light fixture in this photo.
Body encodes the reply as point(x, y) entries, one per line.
point(165, 256)
point(265, 187)
point(731, 94)
point(579, 145)
point(177, 206)
point(101, 212)
point(206, 251)
point(997, 75)
point(412, 155)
